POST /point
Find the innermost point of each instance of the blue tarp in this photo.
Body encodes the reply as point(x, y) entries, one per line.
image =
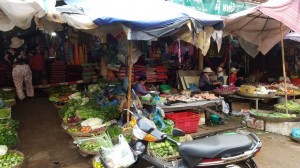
point(147, 19)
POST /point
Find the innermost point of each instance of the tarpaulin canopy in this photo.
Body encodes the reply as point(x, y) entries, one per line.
point(293, 36)
point(142, 19)
point(258, 28)
point(20, 13)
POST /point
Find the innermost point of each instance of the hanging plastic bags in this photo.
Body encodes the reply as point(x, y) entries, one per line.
point(118, 156)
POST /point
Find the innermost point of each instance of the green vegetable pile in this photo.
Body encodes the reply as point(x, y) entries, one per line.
point(5, 113)
point(272, 115)
point(164, 149)
point(114, 131)
point(10, 159)
point(8, 133)
point(7, 95)
point(90, 146)
point(291, 105)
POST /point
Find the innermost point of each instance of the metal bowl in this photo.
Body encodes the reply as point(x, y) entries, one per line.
point(154, 92)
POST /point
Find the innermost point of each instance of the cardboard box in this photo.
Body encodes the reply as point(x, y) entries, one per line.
point(237, 106)
point(202, 118)
point(254, 123)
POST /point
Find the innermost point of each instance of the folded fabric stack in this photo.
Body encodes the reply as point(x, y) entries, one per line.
point(57, 71)
point(161, 73)
point(139, 70)
point(151, 74)
point(74, 73)
point(121, 74)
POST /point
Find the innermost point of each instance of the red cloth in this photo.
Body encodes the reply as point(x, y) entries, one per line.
point(36, 62)
point(232, 78)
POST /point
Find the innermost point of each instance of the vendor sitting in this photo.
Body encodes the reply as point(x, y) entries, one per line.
point(139, 87)
point(205, 83)
point(233, 79)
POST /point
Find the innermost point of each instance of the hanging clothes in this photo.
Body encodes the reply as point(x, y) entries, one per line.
point(76, 55)
point(80, 55)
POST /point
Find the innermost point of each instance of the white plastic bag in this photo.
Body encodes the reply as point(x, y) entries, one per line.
point(118, 156)
point(225, 107)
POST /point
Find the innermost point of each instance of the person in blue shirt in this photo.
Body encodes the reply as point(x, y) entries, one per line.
point(139, 87)
point(205, 83)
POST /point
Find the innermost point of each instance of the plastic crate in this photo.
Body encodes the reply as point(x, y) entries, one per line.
point(186, 121)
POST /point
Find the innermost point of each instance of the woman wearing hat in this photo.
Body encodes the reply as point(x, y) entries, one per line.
point(205, 83)
point(21, 71)
point(233, 79)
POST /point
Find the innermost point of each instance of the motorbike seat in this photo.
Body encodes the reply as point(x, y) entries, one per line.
point(216, 146)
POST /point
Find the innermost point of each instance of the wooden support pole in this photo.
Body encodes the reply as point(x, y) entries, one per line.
point(129, 81)
point(283, 67)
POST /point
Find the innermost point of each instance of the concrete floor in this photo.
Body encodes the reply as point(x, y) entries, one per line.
point(45, 144)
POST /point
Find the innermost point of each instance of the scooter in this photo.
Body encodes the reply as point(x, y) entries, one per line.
point(226, 150)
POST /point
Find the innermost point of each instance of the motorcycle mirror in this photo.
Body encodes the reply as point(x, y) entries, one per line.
point(177, 132)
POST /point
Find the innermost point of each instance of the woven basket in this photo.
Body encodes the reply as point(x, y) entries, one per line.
point(87, 151)
point(10, 104)
point(256, 95)
point(273, 119)
point(282, 94)
point(225, 93)
point(58, 105)
point(20, 164)
point(86, 134)
point(295, 139)
point(167, 159)
point(280, 110)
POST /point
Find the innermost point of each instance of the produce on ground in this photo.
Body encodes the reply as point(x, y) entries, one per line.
point(9, 123)
point(114, 131)
point(10, 159)
point(272, 115)
point(291, 105)
point(7, 95)
point(5, 112)
point(93, 146)
point(8, 137)
point(97, 162)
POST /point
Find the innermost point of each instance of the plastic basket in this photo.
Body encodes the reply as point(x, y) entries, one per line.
point(186, 121)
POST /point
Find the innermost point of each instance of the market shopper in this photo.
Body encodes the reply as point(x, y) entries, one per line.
point(220, 73)
point(21, 71)
point(234, 79)
point(205, 83)
point(36, 63)
point(139, 87)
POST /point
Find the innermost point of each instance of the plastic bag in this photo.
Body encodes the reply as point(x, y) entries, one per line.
point(118, 156)
point(295, 133)
point(225, 107)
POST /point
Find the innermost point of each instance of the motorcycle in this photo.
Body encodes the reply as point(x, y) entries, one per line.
point(226, 150)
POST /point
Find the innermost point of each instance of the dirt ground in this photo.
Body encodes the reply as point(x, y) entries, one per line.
point(45, 143)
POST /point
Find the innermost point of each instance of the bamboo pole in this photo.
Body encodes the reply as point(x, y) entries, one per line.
point(283, 67)
point(129, 81)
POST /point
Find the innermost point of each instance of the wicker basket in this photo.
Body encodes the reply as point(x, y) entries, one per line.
point(167, 159)
point(20, 164)
point(280, 110)
point(10, 104)
point(59, 105)
point(225, 93)
point(86, 134)
point(283, 94)
point(273, 119)
point(295, 139)
point(87, 151)
point(256, 95)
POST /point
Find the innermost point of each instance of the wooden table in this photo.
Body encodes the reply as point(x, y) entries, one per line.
point(256, 99)
point(197, 105)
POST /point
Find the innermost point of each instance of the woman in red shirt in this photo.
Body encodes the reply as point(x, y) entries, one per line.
point(233, 79)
